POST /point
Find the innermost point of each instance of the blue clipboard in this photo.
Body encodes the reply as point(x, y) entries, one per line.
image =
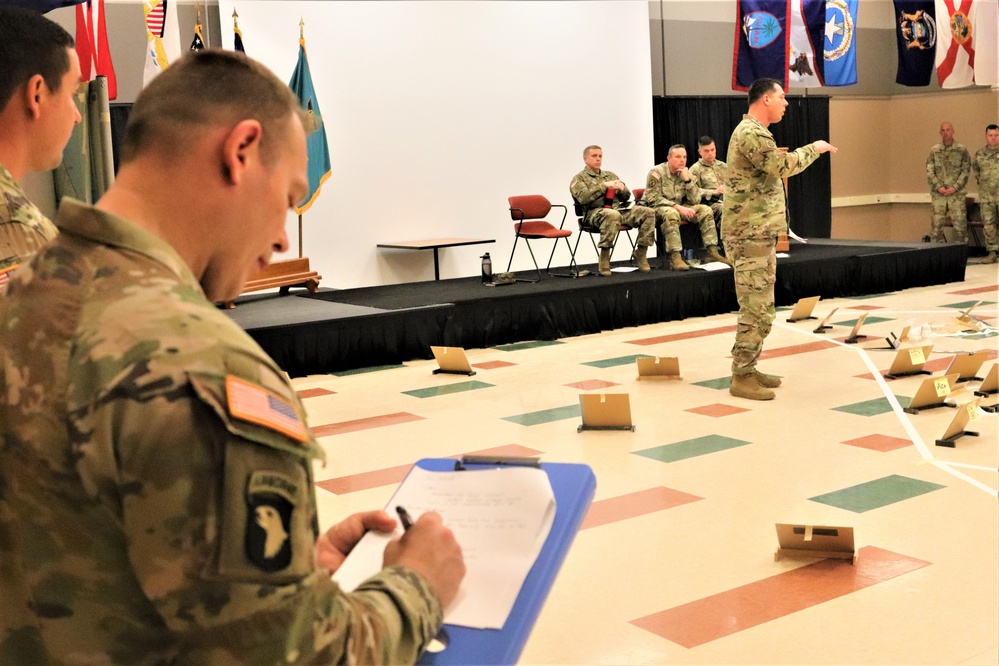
point(573, 485)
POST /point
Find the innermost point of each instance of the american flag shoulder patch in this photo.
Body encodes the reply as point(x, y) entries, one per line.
point(254, 404)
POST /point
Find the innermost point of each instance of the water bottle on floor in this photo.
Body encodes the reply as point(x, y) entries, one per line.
point(487, 269)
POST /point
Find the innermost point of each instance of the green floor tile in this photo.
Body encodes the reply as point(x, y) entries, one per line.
point(980, 336)
point(868, 296)
point(614, 362)
point(361, 371)
point(722, 383)
point(691, 448)
point(872, 407)
point(876, 494)
point(869, 320)
point(966, 304)
point(447, 389)
point(529, 345)
point(545, 416)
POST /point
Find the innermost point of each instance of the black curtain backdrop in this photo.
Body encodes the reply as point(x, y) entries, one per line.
point(685, 119)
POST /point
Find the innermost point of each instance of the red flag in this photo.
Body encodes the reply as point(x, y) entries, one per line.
point(84, 49)
point(104, 65)
point(94, 52)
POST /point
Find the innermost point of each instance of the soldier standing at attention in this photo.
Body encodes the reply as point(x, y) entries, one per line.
point(752, 218)
point(601, 193)
point(157, 502)
point(947, 170)
point(709, 174)
point(671, 190)
point(986, 167)
point(39, 74)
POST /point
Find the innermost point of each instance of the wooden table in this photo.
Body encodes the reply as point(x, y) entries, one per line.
point(436, 244)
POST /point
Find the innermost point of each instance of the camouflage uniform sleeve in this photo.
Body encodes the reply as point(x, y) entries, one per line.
point(585, 189)
point(963, 170)
point(931, 171)
point(655, 194)
point(697, 175)
point(211, 478)
point(761, 151)
point(691, 192)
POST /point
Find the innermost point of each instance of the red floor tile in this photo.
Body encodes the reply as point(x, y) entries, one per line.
point(592, 384)
point(864, 307)
point(716, 410)
point(683, 336)
point(314, 393)
point(364, 424)
point(796, 349)
point(633, 505)
point(881, 443)
point(732, 611)
point(492, 365)
point(384, 477)
point(977, 290)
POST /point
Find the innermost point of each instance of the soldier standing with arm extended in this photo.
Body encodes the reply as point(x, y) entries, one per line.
point(752, 218)
point(947, 170)
point(986, 167)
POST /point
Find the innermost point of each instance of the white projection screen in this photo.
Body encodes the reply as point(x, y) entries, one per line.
point(436, 112)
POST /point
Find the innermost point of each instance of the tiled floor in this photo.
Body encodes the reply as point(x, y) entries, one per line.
point(675, 561)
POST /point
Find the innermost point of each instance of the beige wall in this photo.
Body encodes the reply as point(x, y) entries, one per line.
point(879, 185)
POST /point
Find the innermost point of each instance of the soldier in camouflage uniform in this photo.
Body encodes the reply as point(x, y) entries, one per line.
point(752, 218)
point(709, 174)
point(156, 492)
point(589, 189)
point(39, 73)
point(670, 189)
point(986, 168)
point(947, 170)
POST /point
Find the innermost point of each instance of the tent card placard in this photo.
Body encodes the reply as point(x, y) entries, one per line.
point(605, 411)
point(824, 541)
point(452, 360)
point(659, 367)
point(803, 309)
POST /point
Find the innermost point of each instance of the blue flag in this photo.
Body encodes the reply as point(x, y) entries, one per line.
point(319, 152)
point(841, 43)
point(916, 39)
point(762, 42)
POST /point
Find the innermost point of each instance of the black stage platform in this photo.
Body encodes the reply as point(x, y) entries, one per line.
point(336, 330)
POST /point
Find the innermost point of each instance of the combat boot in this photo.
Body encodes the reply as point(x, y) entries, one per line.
point(603, 265)
point(676, 262)
point(641, 258)
point(765, 380)
point(991, 258)
point(714, 255)
point(746, 386)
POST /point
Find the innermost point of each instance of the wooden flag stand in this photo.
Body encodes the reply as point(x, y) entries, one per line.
point(965, 413)
point(813, 541)
point(664, 367)
point(284, 274)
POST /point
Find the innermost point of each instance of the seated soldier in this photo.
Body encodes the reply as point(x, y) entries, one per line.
point(668, 188)
point(601, 194)
point(709, 174)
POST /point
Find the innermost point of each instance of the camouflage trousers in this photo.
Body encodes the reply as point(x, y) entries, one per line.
point(990, 220)
point(755, 264)
point(716, 210)
point(953, 206)
point(610, 221)
point(670, 220)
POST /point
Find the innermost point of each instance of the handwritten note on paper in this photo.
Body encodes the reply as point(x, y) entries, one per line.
point(501, 518)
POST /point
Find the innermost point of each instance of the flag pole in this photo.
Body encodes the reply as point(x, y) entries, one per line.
point(301, 37)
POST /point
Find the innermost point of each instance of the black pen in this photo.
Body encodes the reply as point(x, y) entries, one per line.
point(407, 522)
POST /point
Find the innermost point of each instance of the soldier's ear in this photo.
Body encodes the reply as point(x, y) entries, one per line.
point(34, 90)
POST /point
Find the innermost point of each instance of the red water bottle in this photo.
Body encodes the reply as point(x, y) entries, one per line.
point(609, 197)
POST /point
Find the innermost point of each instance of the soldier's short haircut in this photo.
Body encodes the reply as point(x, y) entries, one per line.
point(993, 126)
point(674, 147)
point(760, 88)
point(30, 44)
point(705, 141)
point(205, 90)
point(586, 151)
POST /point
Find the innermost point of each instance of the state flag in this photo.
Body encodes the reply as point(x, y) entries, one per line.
point(955, 59)
point(806, 62)
point(762, 42)
point(197, 44)
point(162, 37)
point(916, 41)
point(319, 153)
point(985, 23)
point(841, 43)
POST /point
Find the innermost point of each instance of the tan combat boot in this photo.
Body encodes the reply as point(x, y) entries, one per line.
point(641, 258)
point(676, 262)
point(714, 255)
point(603, 265)
point(746, 386)
point(765, 380)
point(991, 258)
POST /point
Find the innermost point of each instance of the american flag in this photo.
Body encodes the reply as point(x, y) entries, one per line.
point(251, 403)
point(155, 19)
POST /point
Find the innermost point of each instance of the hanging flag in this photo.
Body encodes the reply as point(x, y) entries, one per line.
point(806, 61)
point(315, 128)
point(841, 43)
point(237, 37)
point(955, 59)
point(916, 41)
point(762, 42)
point(197, 44)
point(985, 26)
point(162, 37)
point(92, 45)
